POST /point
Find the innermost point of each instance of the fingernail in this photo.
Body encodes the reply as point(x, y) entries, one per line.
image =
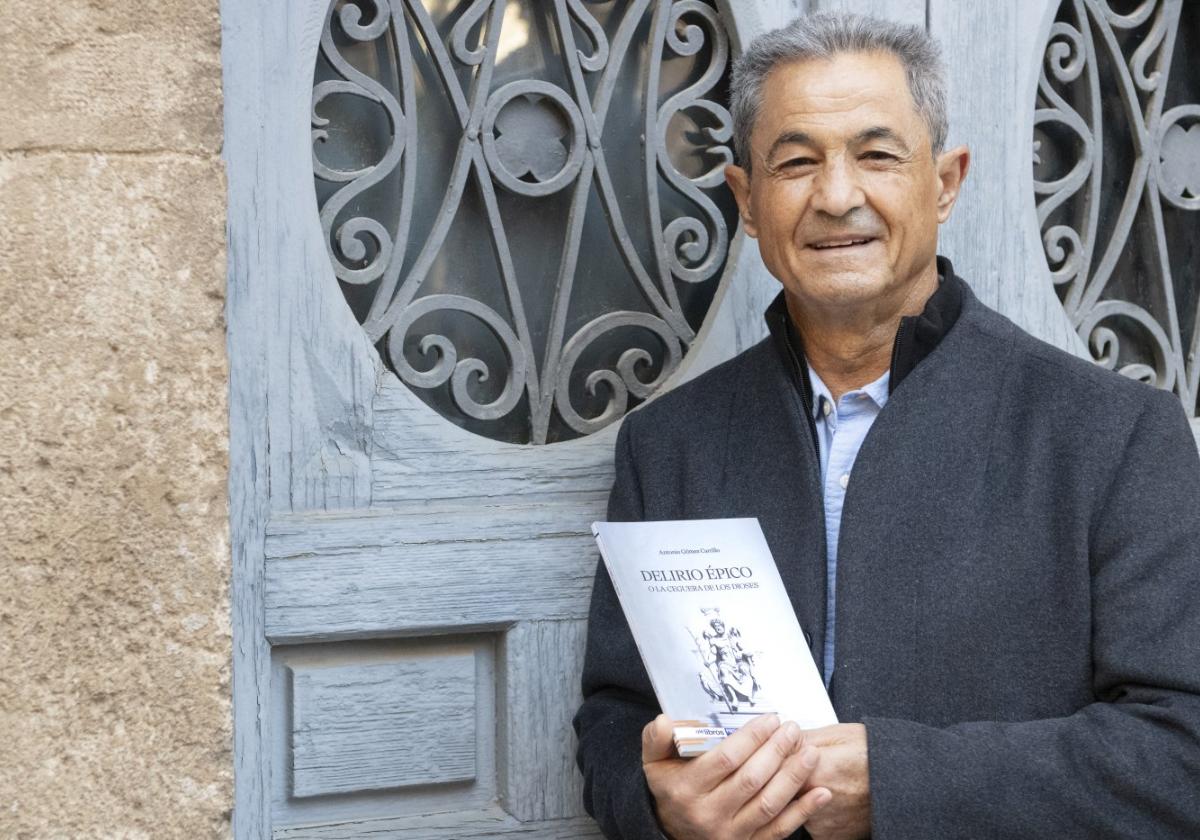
point(773, 720)
point(791, 731)
point(823, 797)
point(809, 757)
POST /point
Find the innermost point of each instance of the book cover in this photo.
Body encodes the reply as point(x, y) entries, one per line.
point(714, 626)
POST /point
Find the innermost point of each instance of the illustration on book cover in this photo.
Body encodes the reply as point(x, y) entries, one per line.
point(727, 674)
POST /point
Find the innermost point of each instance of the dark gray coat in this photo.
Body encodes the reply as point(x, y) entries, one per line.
point(1018, 603)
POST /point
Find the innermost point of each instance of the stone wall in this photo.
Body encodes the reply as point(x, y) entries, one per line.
point(114, 626)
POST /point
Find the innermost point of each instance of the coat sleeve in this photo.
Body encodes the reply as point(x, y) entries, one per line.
point(618, 700)
point(1126, 765)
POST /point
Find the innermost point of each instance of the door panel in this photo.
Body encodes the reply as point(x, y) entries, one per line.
point(370, 729)
point(408, 571)
point(376, 726)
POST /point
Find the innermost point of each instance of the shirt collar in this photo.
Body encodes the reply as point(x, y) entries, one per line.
point(876, 391)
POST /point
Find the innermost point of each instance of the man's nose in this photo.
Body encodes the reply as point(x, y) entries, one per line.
point(836, 190)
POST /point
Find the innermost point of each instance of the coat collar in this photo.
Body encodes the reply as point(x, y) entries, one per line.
point(915, 338)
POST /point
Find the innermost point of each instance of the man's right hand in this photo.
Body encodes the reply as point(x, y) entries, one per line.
point(745, 789)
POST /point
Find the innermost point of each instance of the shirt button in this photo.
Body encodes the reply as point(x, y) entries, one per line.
point(826, 407)
point(844, 480)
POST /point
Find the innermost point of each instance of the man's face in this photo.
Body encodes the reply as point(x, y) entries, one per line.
point(844, 197)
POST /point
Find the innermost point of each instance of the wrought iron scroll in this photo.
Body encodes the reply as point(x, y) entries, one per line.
point(537, 371)
point(1117, 179)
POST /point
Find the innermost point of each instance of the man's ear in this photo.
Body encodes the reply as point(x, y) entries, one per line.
point(952, 169)
point(738, 180)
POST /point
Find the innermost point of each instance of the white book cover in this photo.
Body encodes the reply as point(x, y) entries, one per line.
point(714, 626)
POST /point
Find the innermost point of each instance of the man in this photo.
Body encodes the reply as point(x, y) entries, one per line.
point(994, 546)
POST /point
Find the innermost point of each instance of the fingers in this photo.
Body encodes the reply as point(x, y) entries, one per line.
point(780, 788)
point(794, 815)
point(743, 788)
point(712, 768)
point(658, 740)
point(777, 755)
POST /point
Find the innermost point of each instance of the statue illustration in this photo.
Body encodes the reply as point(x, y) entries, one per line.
point(727, 675)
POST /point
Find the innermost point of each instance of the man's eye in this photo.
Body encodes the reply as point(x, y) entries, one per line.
point(878, 156)
point(800, 161)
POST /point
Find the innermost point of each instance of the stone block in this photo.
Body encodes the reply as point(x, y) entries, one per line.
point(111, 76)
point(114, 625)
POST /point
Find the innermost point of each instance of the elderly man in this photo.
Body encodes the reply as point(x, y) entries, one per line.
point(994, 546)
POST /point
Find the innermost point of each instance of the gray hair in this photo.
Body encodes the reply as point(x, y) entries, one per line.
point(823, 36)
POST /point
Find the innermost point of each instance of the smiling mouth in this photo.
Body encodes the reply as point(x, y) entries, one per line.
point(834, 244)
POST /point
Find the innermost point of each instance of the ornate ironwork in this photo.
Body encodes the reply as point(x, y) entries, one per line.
point(1117, 178)
point(653, 238)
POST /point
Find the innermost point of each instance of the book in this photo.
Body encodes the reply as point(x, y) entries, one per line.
point(714, 626)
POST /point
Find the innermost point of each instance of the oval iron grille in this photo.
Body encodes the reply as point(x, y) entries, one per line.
point(523, 202)
point(1117, 178)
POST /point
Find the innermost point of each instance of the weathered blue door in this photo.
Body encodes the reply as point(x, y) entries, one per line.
point(468, 236)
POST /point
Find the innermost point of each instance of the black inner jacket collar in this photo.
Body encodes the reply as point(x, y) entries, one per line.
point(915, 338)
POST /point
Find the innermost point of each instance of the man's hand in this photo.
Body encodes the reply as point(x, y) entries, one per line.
point(745, 789)
point(843, 770)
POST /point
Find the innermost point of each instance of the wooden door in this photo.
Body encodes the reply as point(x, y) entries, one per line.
point(410, 585)
point(409, 592)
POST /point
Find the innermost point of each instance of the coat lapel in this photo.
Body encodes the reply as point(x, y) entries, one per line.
point(771, 472)
point(913, 505)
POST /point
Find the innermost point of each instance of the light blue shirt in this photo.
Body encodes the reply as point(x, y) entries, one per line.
point(841, 428)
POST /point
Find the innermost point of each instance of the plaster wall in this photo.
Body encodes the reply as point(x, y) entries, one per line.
point(114, 547)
